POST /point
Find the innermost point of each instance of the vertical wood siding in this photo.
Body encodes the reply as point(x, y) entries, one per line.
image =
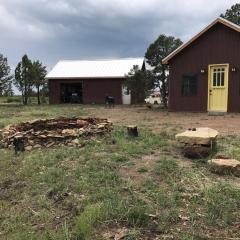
point(94, 90)
point(217, 46)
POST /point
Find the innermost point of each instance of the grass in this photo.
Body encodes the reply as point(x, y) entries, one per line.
point(222, 202)
point(81, 193)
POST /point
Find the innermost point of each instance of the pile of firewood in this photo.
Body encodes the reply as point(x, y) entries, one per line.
point(51, 132)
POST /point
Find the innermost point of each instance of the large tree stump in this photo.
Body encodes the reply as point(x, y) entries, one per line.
point(132, 131)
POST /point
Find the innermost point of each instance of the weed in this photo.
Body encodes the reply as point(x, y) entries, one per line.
point(90, 218)
point(142, 170)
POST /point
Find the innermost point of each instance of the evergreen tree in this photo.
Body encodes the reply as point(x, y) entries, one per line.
point(39, 77)
point(233, 14)
point(156, 52)
point(9, 90)
point(23, 78)
point(139, 82)
point(5, 76)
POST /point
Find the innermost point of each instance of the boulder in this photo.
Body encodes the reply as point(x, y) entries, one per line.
point(198, 136)
point(225, 166)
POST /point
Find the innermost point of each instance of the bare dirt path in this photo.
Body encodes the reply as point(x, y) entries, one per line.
point(158, 120)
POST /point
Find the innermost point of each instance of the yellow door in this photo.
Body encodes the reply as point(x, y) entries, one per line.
point(218, 88)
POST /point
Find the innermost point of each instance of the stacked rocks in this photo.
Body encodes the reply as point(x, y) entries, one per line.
point(198, 142)
point(50, 132)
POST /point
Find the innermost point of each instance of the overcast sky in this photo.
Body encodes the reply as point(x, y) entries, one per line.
point(51, 30)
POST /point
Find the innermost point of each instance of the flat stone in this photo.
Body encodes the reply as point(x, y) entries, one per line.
point(75, 141)
point(28, 148)
point(37, 146)
point(82, 122)
point(50, 144)
point(43, 136)
point(202, 136)
point(70, 132)
point(225, 166)
point(100, 126)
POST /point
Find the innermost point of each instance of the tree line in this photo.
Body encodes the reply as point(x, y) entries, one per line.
point(28, 76)
point(31, 75)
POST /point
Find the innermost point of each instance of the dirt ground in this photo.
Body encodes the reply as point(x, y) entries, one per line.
point(159, 120)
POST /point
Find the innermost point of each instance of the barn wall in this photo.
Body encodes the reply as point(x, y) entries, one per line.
point(217, 46)
point(94, 90)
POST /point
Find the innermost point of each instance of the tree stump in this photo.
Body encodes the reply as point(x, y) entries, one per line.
point(132, 131)
point(18, 143)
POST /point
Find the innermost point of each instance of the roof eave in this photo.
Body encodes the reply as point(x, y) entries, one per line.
point(75, 78)
point(218, 20)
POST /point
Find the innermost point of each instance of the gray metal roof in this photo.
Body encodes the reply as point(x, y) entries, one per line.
point(113, 68)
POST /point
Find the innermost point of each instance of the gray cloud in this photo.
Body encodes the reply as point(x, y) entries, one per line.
point(50, 30)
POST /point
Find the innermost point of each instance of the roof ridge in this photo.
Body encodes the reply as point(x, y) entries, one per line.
point(99, 59)
point(224, 21)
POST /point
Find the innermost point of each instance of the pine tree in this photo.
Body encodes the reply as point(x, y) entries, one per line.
point(156, 52)
point(5, 76)
point(233, 14)
point(139, 82)
point(39, 77)
point(24, 78)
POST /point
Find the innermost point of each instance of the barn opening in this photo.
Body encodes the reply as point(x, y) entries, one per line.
point(71, 93)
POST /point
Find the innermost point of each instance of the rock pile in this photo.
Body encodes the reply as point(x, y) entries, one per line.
point(198, 142)
point(50, 132)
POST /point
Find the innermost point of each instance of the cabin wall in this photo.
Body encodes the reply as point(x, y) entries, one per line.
point(217, 46)
point(93, 90)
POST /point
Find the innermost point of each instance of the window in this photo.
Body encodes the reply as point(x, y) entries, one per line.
point(189, 85)
point(218, 77)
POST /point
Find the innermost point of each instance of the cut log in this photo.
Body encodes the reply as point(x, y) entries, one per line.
point(132, 131)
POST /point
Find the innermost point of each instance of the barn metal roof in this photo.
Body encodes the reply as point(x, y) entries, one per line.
point(183, 46)
point(109, 68)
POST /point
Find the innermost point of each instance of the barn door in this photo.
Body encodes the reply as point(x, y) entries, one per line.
point(218, 88)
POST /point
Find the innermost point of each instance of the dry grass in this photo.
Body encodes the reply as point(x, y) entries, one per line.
point(118, 186)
